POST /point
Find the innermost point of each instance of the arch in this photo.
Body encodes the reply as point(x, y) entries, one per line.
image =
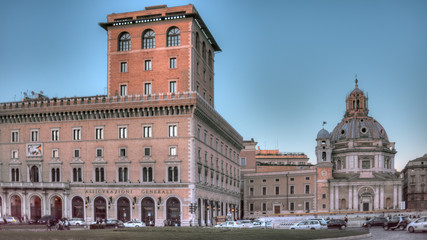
point(173, 212)
point(56, 206)
point(148, 211)
point(124, 41)
point(15, 205)
point(123, 209)
point(35, 207)
point(77, 207)
point(99, 208)
point(173, 37)
point(148, 39)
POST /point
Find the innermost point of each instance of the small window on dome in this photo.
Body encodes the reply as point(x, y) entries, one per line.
point(363, 130)
point(323, 142)
point(342, 131)
point(361, 120)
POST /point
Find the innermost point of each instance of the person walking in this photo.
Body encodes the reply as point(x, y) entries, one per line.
point(48, 225)
point(346, 219)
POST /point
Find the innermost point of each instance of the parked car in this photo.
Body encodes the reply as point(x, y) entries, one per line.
point(33, 220)
point(336, 223)
point(76, 221)
point(11, 219)
point(376, 221)
point(261, 224)
point(229, 224)
point(43, 220)
point(134, 224)
point(309, 225)
point(418, 225)
point(321, 220)
point(245, 223)
point(114, 223)
point(397, 222)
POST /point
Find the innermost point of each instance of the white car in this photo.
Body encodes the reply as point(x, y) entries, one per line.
point(309, 225)
point(11, 219)
point(134, 224)
point(261, 224)
point(418, 225)
point(76, 221)
point(229, 224)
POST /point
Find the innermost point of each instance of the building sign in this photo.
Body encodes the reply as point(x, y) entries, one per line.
point(128, 191)
point(34, 150)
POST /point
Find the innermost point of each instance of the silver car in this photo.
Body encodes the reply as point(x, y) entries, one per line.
point(76, 221)
point(308, 225)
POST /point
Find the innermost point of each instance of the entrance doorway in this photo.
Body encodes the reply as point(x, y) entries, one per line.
point(77, 209)
point(365, 206)
point(35, 208)
point(147, 211)
point(173, 212)
point(56, 207)
point(277, 209)
point(123, 209)
point(15, 206)
point(100, 208)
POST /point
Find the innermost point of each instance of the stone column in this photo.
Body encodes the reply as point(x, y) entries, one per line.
point(377, 198)
point(46, 204)
point(66, 212)
point(331, 197)
point(337, 197)
point(399, 195)
point(382, 197)
point(394, 196)
point(355, 199)
point(202, 212)
point(350, 197)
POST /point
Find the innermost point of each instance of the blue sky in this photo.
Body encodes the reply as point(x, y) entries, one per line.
point(286, 66)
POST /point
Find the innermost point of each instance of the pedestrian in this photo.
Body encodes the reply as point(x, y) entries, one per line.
point(66, 224)
point(48, 225)
point(346, 219)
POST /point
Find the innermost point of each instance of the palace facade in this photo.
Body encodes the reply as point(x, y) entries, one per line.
point(153, 148)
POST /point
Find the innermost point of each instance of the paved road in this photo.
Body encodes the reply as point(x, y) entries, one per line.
point(380, 233)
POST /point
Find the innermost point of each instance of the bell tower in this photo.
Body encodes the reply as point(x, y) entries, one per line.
point(323, 147)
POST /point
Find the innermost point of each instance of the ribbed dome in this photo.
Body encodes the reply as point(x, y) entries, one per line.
point(323, 133)
point(352, 128)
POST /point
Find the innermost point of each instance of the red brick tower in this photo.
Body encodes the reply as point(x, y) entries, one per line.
point(160, 51)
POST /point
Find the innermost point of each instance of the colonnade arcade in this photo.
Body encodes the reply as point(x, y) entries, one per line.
point(34, 206)
point(208, 210)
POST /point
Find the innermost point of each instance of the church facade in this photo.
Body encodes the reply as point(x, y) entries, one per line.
point(362, 161)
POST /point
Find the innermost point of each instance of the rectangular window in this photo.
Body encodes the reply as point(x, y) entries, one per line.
point(173, 130)
point(123, 90)
point(251, 191)
point(123, 132)
point(172, 151)
point(14, 136)
point(277, 180)
point(76, 153)
point(366, 164)
point(251, 207)
point(172, 86)
point(122, 152)
point(99, 133)
point(147, 65)
point(54, 134)
point(147, 88)
point(291, 206)
point(55, 153)
point(277, 190)
point(307, 206)
point(34, 135)
point(307, 178)
point(77, 175)
point(77, 134)
point(264, 207)
point(291, 189)
point(292, 179)
point(147, 131)
point(324, 206)
point(172, 62)
point(147, 151)
point(307, 189)
point(99, 152)
point(15, 154)
point(323, 196)
point(123, 67)
point(264, 191)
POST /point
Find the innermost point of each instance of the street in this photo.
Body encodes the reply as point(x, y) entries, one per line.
point(380, 233)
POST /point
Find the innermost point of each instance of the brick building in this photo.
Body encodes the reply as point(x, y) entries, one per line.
point(154, 148)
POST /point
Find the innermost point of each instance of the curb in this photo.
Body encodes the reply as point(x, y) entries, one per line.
point(363, 236)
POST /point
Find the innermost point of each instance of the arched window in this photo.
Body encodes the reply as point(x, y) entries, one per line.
point(174, 37)
point(120, 175)
point(197, 41)
point(124, 42)
point(147, 174)
point(148, 39)
point(204, 51)
point(173, 174)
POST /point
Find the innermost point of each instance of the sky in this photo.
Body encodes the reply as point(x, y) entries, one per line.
point(285, 66)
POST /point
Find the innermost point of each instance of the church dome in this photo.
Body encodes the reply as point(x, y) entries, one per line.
point(353, 128)
point(323, 133)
